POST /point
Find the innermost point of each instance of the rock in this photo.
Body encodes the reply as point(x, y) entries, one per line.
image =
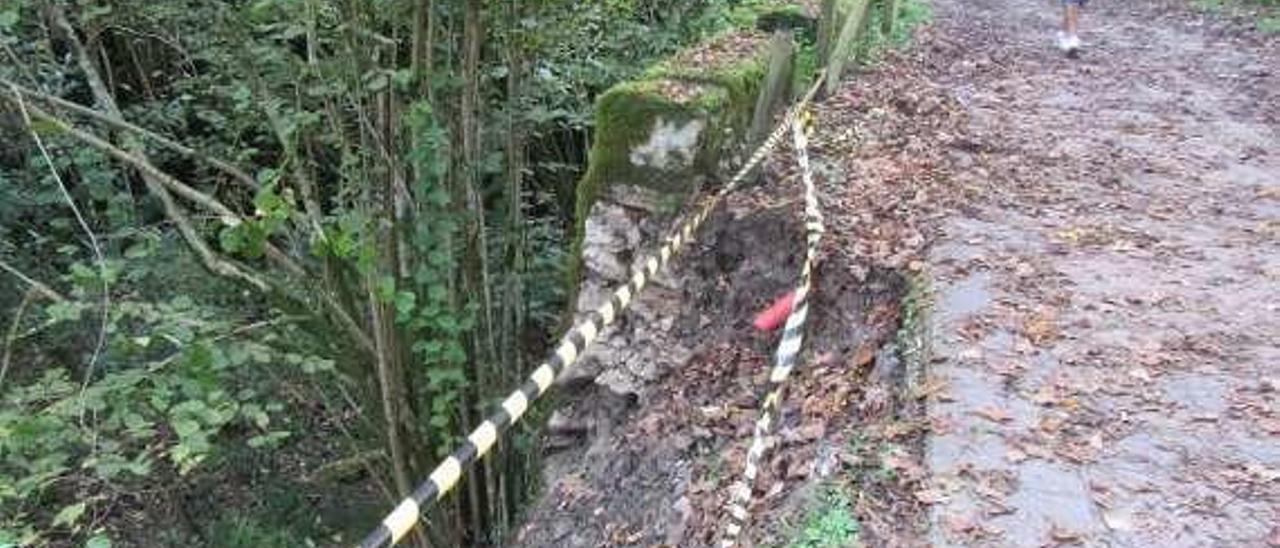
point(559, 423)
point(1268, 384)
point(676, 531)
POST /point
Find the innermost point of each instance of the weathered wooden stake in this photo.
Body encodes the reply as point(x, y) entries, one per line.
point(843, 50)
point(826, 30)
point(890, 19)
point(774, 91)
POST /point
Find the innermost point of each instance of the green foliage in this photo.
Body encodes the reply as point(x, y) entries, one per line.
point(249, 238)
point(172, 382)
point(830, 523)
point(429, 309)
point(247, 532)
point(318, 100)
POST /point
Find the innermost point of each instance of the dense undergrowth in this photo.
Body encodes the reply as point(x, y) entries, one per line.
point(266, 259)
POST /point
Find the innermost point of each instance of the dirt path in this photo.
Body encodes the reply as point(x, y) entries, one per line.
point(1107, 314)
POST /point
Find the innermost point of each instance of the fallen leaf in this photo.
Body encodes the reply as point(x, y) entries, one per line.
point(1015, 455)
point(993, 414)
point(1118, 520)
point(1041, 327)
point(1262, 472)
point(1140, 373)
point(864, 355)
point(931, 496)
point(1271, 426)
point(1060, 534)
point(960, 524)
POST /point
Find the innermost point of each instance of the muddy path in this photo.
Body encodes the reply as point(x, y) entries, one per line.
point(1108, 305)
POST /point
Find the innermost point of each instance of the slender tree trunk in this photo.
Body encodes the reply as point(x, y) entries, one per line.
point(475, 266)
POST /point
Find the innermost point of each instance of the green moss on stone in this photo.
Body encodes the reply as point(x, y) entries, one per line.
point(788, 17)
point(716, 82)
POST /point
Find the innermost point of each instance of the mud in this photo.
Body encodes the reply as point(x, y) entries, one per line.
point(1107, 307)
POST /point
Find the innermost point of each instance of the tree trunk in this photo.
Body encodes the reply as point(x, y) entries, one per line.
point(475, 265)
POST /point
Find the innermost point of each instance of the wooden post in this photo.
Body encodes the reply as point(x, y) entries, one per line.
point(774, 91)
point(890, 19)
point(826, 30)
point(843, 50)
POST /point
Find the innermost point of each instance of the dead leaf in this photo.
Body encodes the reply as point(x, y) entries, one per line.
point(1270, 425)
point(864, 355)
point(931, 496)
point(1118, 520)
point(1015, 455)
point(1062, 535)
point(993, 414)
point(960, 524)
point(1262, 472)
point(1041, 327)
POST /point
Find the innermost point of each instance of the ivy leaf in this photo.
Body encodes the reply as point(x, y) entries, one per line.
point(272, 439)
point(98, 541)
point(185, 427)
point(69, 515)
point(8, 19)
point(405, 301)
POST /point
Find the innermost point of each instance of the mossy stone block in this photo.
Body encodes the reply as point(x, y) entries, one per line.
point(789, 17)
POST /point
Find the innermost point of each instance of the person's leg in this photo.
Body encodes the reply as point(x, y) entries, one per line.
point(1071, 18)
point(1068, 37)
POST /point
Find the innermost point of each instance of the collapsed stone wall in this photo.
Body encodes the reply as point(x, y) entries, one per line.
point(658, 140)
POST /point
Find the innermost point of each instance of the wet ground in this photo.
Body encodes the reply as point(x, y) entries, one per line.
point(1107, 309)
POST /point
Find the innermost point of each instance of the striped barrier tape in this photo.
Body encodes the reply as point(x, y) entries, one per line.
point(788, 346)
point(405, 516)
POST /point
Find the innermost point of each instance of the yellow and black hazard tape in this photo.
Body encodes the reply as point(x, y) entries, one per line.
point(788, 347)
point(446, 475)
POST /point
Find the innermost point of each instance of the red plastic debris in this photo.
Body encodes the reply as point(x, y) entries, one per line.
point(772, 317)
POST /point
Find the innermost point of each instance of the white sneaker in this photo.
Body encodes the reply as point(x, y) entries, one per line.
point(1068, 43)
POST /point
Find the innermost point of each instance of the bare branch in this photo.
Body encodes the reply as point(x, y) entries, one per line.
point(44, 290)
point(226, 167)
point(159, 183)
point(93, 243)
point(154, 178)
point(13, 334)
